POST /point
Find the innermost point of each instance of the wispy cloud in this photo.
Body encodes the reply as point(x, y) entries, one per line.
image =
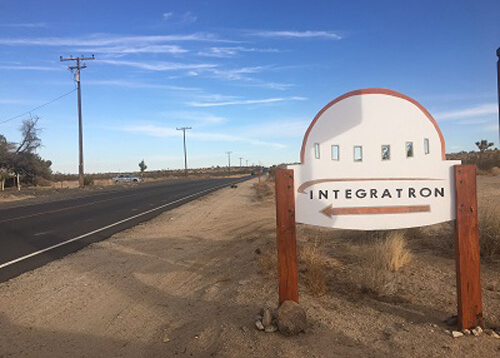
point(244, 102)
point(237, 74)
point(157, 131)
point(329, 35)
point(109, 40)
point(28, 68)
point(172, 49)
point(182, 19)
point(26, 25)
point(485, 109)
point(159, 66)
point(228, 52)
point(200, 118)
point(138, 84)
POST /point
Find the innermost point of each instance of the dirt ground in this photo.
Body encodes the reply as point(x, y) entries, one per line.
point(189, 284)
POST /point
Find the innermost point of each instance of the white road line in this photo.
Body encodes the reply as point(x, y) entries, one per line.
point(106, 227)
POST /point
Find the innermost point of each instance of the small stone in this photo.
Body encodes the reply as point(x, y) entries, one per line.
point(271, 328)
point(434, 325)
point(477, 331)
point(244, 329)
point(259, 325)
point(267, 317)
point(447, 332)
point(466, 332)
point(495, 334)
point(166, 339)
point(291, 318)
point(456, 334)
point(452, 321)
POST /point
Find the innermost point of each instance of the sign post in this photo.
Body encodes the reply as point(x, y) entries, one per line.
point(287, 245)
point(467, 260)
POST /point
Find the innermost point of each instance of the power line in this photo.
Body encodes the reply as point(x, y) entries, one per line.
point(36, 108)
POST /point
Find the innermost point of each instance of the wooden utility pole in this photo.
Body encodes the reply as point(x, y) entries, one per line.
point(229, 160)
point(183, 129)
point(79, 66)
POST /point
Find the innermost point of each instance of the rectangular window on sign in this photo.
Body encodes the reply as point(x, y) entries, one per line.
point(426, 146)
point(335, 152)
point(409, 149)
point(316, 150)
point(358, 153)
point(386, 152)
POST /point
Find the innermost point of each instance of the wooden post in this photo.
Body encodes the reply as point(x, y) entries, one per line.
point(287, 245)
point(470, 310)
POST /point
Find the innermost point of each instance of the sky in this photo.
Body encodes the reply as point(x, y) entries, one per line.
point(247, 76)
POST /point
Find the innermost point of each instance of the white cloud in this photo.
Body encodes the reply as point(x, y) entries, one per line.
point(228, 52)
point(108, 40)
point(158, 66)
point(245, 102)
point(298, 34)
point(137, 84)
point(26, 25)
point(172, 49)
point(200, 118)
point(182, 19)
point(28, 68)
point(157, 131)
point(485, 109)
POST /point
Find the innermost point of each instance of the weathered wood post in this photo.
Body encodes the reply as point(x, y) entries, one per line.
point(467, 259)
point(287, 245)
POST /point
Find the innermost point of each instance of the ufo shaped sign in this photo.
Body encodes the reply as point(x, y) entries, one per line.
point(373, 159)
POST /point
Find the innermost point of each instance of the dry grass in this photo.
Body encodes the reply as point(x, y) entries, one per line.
point(263, 190)
point(489, 228)
point(387, 256)
point(314, 265)
point(268, 262)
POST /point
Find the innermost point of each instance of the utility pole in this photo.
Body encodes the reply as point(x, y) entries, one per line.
point(183, 129)
point(77, 69)
point(240, 161)
point(229, 160)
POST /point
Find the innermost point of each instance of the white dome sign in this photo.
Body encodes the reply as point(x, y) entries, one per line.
point(374, 159)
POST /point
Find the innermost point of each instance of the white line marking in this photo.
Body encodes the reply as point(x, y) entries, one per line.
point(22, 258)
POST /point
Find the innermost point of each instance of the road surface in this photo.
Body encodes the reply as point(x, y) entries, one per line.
point(33, 235)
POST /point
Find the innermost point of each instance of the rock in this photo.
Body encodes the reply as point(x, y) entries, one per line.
point(495, 334)
point(466, 332)
point(244, 329)
point(477, 331)
point(267, 317)
point(291, 318)
point(166, 339)
point(271, 328)
point(452, 321)
point(456, 334)
point(259, 325)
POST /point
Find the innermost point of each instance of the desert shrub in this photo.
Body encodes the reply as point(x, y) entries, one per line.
point(384, 258)
point(314, 267)
point(489, 229)
point(268, 262)
point(88, 180)
point(263, 190)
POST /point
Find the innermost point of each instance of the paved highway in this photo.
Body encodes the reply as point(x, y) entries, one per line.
point(33, 235)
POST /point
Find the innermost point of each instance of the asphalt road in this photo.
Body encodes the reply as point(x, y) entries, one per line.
point(33, 235)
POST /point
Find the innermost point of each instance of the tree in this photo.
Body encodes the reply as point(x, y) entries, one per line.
point(29, 130)
point(142, 166)
point(484, 145)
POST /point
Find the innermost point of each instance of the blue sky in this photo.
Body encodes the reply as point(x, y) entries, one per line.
point(247, 76)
